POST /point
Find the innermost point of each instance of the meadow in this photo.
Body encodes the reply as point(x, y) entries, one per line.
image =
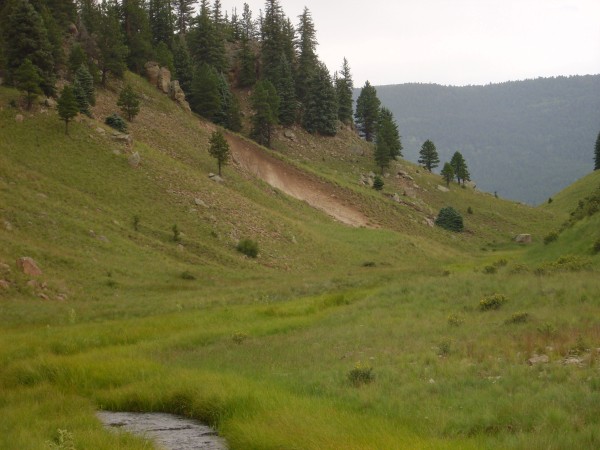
point(402, 336)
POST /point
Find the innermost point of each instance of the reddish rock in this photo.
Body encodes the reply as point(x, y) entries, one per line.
point(28, 266)
point(4, 285)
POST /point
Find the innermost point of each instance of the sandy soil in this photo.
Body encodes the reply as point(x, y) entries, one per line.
point(294, 182)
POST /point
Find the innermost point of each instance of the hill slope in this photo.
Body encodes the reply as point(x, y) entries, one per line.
point(335, 337)
point(525, 139)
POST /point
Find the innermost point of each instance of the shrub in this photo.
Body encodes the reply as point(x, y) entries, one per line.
point(378, 183)
point(596, 247)
point(449, 219)
point(490, 302)
point(550, 237)
point(239, 337)
point(117, 122)
point(187, 275)
point(248, 247)
point(519, 268)
point(550, 200)
point(469, 210)
point(444, 348)
point(360, 375)
point(519, 317)
point(547, 329)
point(136, 222)
point(490, 270)
point(369, 264)
point(176, 233)
point(454, 320)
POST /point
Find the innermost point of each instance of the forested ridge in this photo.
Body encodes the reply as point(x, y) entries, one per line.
point(526, 140)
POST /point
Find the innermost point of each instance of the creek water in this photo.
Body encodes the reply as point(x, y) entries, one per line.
point(168, 431)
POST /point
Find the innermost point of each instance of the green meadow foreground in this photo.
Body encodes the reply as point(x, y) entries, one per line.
point(395, 335)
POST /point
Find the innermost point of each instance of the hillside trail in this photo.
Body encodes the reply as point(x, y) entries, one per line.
point(294, 182)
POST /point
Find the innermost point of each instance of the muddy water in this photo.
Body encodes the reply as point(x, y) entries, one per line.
point(166, 430)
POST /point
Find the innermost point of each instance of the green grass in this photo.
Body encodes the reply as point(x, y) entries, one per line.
point(262, 348)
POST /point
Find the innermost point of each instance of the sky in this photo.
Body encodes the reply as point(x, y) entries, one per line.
point(451, 42)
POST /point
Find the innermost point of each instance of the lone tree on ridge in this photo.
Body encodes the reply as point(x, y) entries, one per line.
point(219, 149)
point(67, 106)
point(428, 155)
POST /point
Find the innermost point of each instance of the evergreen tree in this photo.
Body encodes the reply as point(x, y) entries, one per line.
point(247, 25)
point(184, 70)
point(247, 64)
point(184, 15)
point(265, 103)
point(447, 173)
point(161, 21)
point(307, 58)
point(112, 51)
point(205, 97)
point(129, 102)
point(81, 98)
point(26, 37)
point(219, 149)
point(382, 154)
point(28, 80)
point(138, 37)
point(428, 155)
point(228, 113)
point(459, 165)
point(344, 87)
point(287, 94)
point(272, 41)
point(320, 113)
point(77, 57)
point(85, 79)
point(204, 41)
point(67, 106)
point(387, 132)
point(597, 154)
point(164, 56)
point(367, 112)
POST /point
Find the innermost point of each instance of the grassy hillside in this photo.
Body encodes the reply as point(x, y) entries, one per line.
point(335, 337)
point(524, 139)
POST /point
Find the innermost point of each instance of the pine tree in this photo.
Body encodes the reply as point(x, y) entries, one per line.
point(77, 57)
point(447, 173)
point(161, 21)
point(25, 36)
point(228, 113)
point(597, 154)
point(219, 149)
point(459, 165)
point(28, 80)
point(307, 58)
point(205, 97)
point(320, 112)
point(247, 64)
point(129, 102)
point(204, 41)
point(382, 154)
point(81, 98)
point(138, 36)
point(428, 155)
point(85, 79)
point(367, 112)
point(184, 15)
point(248, 27)
point(182, 61)
point(265, 103)
point(288, 104)
point(344, 87)
point(111, 41)
point(272, 41)
point(387, 132)
point(67, 106)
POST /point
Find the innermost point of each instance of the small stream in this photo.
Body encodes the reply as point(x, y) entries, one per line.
point(168, 431)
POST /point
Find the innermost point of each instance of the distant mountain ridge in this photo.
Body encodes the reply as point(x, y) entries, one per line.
point(525, 140)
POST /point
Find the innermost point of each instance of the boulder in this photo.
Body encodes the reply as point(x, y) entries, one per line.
point(538, 359)
point(523, 238)
point(215, 178)
point(177, 94)
point(290, 135)
point(19, 118)
point(429, 222)
point(200, 202)
point(442, 188)
point(4, 285)
point(8, 226)
point(73, 29)
point(49, 102)
point(134, 160)
point(164, 80)
point(152, 72)
point(123, 138)
point(28, 266)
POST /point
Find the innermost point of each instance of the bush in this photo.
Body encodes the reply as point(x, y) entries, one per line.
point(490, 270)
point(248, 247)
point(117, 122)
point(176, 233)
point(454, 320)
point(469, 210)
point(519, 317)
point(449, 219)
point(360, 375)
point(550, 237)
point(378, 183)
point(596, 247)
point(490, 302)
point(187, 275)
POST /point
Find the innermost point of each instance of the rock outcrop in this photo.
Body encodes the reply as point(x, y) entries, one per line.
point(161, 78)
point(177, 94)
point(28, 266)
point(523, 238)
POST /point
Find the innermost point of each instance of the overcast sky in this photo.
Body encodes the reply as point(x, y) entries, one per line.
point(452, 42)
